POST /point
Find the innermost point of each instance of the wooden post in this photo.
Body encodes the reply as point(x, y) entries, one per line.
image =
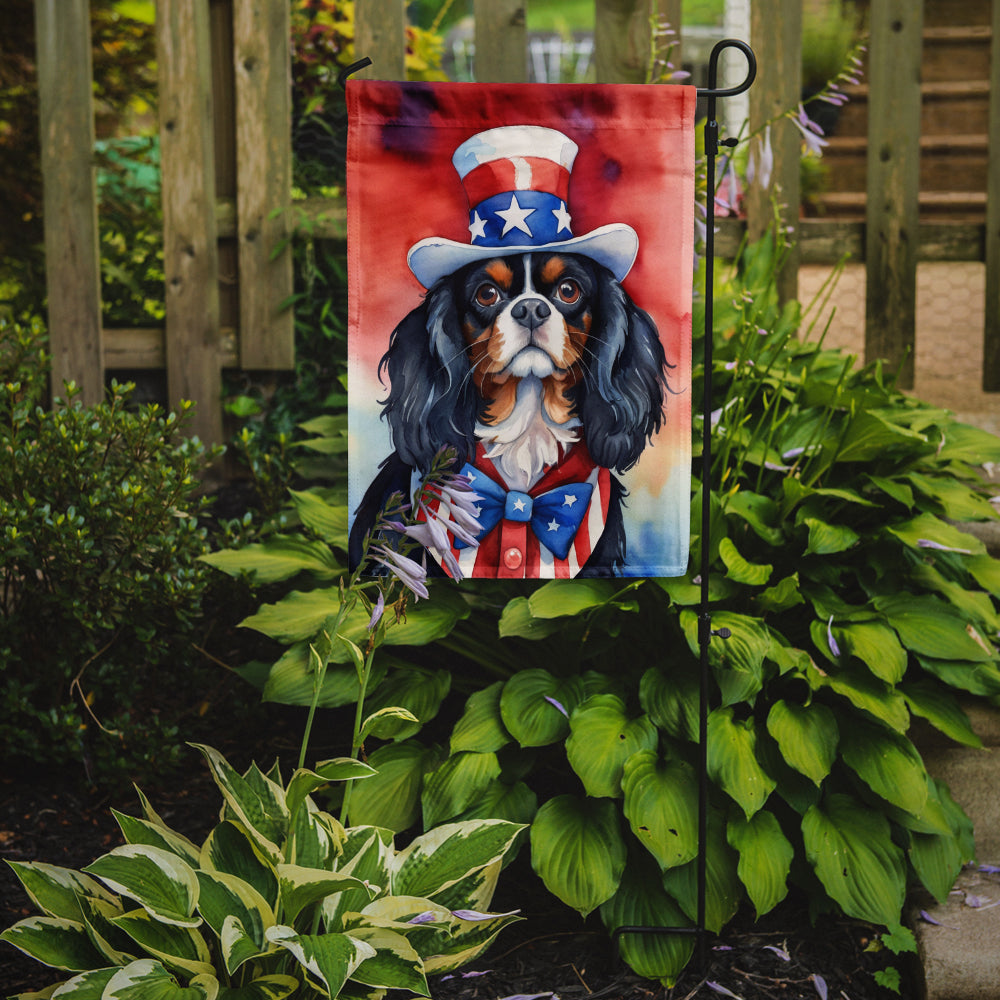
point(380, 34)
point(190, 254)
point(501, 41)
point(262, 61)
point(776, 35)
point(622, 40)
point(72, 255)
point(991, 333)
point(893, 183)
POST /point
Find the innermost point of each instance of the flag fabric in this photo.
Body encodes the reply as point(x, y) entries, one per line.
point(520, 282)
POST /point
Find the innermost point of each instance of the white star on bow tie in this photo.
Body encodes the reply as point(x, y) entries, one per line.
point(519, 504)
point(514, 217)
point(569, 500)
point(553, 525)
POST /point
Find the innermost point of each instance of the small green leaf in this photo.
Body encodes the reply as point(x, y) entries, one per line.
point(807, 736)
point(481, 727)
point(739, 569)
point(765, 858)
point(671, 699)
point(732, 760)
point(828, 539)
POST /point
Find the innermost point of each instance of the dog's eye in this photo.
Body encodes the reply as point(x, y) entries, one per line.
point(487, 294)
point(568, 291)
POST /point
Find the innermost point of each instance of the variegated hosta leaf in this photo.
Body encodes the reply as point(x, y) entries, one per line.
point(230, 849)
point(98, 915)
point(765, 858)
point(578, 851)
point(807, 736)
point(256, 801)
point(466, 941)
point(158, 880)
point(141, 831)
point(329, 959)
point(602, 737)
point(56, 891)
point(850, 847)
point(395, 964)
point(661, 800)
point(535, 706)
point(476, 890)
point(367, 853)
point(315, 838)
point(456, 784)
point(54, 941)
point(304, 782)
point(481, 727)
point(300, 887)
point(177, 947)
point(732, 760)
point(888, 763)
point(441, 857)
point(225, 897)
point(86, 986)
point(642, 902)
point(149, 980)
point(274, 987)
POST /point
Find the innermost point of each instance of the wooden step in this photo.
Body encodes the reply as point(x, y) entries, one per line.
point(958, 206)
point(945, 12)
point(956, 53)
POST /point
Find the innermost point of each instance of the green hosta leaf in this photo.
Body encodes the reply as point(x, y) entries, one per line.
point(976, 678)
point(671, 699)
point(159, 881)
point(888, 763)
point(386, 723)
point(783, 595)
point(260, 809)
point(391, 798)
point(850, 847)
point(147, 979)
point(141, 831)
point(870, 435)
point(330, 959)
point(965, 443)
point(292, 680)
point(516, 803)
point(957, 501)
point(827, 539)
point(937, 860)
point(395, 964)
point(893, 488)
point(986, 571)
point(561, 598)
point(864, 691)
point(481, 728)
point(438, 859)
point(230, 849)
point(56, 891)
point(602, 738)
point(807, 736)
point(418, 691)
point(765, 858)
point(641, 901)
point(876, 646)
point(739, 569)
point(723, 889)
point(279, 558)
point(661, 798)
point(324, 519)
point(928, 528)
point(941, 709)
point(54, 941)
point(738, 661)
point(225, 897)
point(932, 628)
point(535, 706)
point(683, 591)
point(578, 851)
point(275, 987)
point(456, 784)
point(732, 760)
point(758, 511)
point(975, 605)
point(301, 887)
point(180, 948)
point(517, 620)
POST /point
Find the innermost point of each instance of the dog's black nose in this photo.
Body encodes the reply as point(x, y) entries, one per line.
point(531, 312)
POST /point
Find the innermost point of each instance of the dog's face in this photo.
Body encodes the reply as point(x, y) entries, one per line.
point(527, 315)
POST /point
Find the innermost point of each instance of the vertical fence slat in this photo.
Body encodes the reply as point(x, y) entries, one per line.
point(501, 41)
point(261, 57)
point(892, 214)
point(991, 332)
point(72, 257)
point(190, 253)
point(380, 34)
point(776, 35)
point(621, 40)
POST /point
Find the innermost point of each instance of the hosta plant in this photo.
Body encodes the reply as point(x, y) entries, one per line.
point(279, 900)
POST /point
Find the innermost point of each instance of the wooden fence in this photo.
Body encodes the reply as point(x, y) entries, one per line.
point(226, 161)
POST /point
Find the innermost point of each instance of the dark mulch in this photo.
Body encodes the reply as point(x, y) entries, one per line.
point(551, 951)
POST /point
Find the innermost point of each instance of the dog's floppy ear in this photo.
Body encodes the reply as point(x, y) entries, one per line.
point(431, 401)
point(623, 401)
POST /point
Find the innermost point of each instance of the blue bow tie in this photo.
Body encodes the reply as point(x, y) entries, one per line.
point(554, 516)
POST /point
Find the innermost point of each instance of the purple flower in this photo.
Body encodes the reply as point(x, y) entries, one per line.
point(760, 166)
point(552, 701)
point(834, 648)
point(719, 988)
point(410, 573)
point(377, 611)
point(927, 543)
point(820, 983)
point(475, 915)
point(427, 917)
point(811, 132)
point(780, 952)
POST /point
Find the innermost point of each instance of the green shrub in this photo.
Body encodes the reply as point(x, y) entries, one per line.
point(101, 584)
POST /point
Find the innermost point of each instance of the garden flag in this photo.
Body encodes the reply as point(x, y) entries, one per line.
point(520, 278)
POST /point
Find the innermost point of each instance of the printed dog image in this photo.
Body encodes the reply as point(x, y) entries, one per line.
point(525, 355)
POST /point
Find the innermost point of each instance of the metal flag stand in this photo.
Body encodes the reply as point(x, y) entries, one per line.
point(705, 631)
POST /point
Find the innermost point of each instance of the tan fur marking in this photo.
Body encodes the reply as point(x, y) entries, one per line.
point(501, 273)
point(552, 270)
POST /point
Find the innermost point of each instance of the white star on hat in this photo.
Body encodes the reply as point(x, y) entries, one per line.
point(514, 217)
point(562, 217)
point(478, 228)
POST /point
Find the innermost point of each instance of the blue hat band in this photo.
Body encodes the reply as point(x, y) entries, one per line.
point(519, 219)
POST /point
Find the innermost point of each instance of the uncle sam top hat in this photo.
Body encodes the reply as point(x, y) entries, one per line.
point(516, 178)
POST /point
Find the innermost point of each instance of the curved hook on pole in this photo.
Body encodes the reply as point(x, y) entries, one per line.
point(712, 90)
point(352, 68)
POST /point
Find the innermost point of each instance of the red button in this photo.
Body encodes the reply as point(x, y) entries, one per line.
point(513, 558)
